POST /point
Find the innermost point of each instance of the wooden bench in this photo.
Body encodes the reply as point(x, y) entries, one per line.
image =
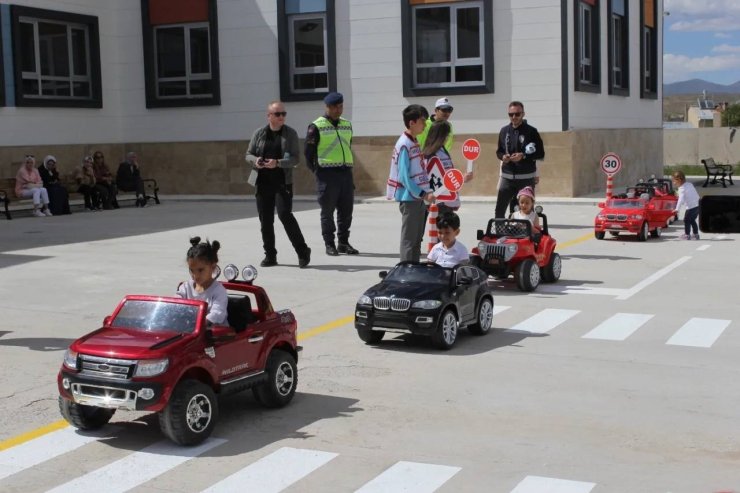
point(717, 172)
point(11, 203)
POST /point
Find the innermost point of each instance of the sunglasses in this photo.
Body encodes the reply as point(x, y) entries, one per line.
point(280, 113)
point(98, 157)
point(446, 110)
point(518, 113)
point(29, 156)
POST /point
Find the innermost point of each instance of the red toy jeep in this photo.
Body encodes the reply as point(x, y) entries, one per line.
point(648, 207)
point(509, 245)
point(159, 354)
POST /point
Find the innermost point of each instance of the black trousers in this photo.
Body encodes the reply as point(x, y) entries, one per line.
point(507, 191)
point(136, 184)
point(336, 192)
point(91, 194)
point(268, 199)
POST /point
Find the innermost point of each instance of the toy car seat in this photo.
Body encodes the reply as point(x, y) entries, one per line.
point(239, 311)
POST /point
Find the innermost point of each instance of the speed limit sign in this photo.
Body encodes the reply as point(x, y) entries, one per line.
point(611, 163)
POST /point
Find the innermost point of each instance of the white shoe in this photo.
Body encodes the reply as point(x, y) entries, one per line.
point(38, 213)
point(47, 212)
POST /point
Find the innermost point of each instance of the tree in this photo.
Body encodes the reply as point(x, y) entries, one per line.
point(731, 116)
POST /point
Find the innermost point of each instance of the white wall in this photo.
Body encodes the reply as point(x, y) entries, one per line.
point(588, 110)
point(369, 72)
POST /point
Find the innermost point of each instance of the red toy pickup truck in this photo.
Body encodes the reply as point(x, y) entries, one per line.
point(159, 354)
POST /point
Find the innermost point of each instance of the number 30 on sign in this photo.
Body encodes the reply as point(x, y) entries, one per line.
point(611, 163)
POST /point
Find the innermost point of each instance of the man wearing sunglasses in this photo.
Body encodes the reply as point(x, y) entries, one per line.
point(442, 111)
point(273, 152)
point(519, 148)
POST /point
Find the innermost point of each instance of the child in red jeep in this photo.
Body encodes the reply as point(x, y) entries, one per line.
point(202, 258)
point(525, 197)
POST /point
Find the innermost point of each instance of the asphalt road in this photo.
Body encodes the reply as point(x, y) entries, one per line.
point(621, 377)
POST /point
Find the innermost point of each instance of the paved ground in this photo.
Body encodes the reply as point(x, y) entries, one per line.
point(618, 378)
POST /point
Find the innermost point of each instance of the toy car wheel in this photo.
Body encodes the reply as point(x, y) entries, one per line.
point(446, 334)
point(282, 379)
point(370, 336)
point(191, 413)
point(656, 233)
point(84, 417)
point(528, 275)
point(551, 272)
point(599, 235)
point(484, 320)
point(643, 234)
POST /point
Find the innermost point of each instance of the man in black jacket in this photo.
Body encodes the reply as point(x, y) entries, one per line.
point(519, 148)
point(273, 152)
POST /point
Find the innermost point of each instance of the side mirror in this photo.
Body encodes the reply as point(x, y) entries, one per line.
point(464, 281)
point(651, 206)
point(107, 320)
point(538, 209)
point(479, 234)
point(382, 274)
point(602, 205)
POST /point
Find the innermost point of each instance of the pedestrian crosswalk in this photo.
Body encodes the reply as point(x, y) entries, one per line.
point(696, 332)
point(272, 473)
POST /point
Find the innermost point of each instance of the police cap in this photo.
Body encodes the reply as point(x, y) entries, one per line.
point(333, 98)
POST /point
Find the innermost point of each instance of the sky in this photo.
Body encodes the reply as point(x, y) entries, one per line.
point(702, 40)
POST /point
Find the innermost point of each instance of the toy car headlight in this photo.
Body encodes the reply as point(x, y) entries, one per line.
point(427, 304)
point(636, 216)
point(70, 359)
point(511, 249)
point(482, 248)
point(231, 272)
point(600, 217)
point(365, 300)
point(249, 273)
point(151, 367)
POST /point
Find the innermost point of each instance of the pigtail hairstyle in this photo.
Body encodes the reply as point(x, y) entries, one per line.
point(205, 251)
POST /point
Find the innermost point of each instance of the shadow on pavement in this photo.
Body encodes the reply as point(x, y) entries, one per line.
point(9, 259)
point(37, 343)
point(32, 232)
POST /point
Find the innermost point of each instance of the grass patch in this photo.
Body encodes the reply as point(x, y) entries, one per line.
point(688, 169)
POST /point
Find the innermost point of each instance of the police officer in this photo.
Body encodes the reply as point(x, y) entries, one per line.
point(442, 112)
point(519, 148)
point(328, 154)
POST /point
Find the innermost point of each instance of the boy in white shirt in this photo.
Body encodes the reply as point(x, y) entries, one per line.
point(448, 252)
point(688, 196)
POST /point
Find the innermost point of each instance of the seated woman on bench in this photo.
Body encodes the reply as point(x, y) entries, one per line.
point(28, 185)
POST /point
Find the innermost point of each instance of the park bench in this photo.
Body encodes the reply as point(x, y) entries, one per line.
point(717, 172)
point(10, 203)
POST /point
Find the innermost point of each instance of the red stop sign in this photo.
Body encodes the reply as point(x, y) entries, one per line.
point(471, 149)
point(453, 180)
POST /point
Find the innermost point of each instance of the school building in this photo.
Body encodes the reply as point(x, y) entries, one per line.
point(185, 82)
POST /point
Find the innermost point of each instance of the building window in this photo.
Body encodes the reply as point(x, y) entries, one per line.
point(307, 49)
point(180, 53)
point(447, 45)
point(56, 58)
point(619, 48)
point(649, 51)
point(588, 47)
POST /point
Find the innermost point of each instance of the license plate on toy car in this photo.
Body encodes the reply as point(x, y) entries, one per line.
point(494, 261)
point(615, 226)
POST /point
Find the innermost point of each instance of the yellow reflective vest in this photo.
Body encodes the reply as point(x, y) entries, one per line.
point(334, 143)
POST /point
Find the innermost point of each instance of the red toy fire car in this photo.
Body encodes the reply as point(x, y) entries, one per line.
point(159, 354)
point(644, 209)
point(510, 246)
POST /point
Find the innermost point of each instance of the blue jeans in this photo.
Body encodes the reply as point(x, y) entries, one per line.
point(689, 220)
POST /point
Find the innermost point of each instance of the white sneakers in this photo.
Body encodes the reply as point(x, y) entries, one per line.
point(48, 212)
point(38, 213)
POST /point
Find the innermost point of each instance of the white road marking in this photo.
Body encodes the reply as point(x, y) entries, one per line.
point(652, 278)
point(274, 472)
point(545, 321)
point(500, 308)
point(137, 468)
point(558, 289)
point(539, 484)
point(618, 327)
point(699, 332)
point(720, 237)
point(410, 477)
point(702, 248)
point(38, 450)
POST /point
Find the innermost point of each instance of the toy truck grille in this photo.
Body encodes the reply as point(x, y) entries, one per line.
point(616, 217)
point(395, 304)
point(116, 369)
point(492, 250)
